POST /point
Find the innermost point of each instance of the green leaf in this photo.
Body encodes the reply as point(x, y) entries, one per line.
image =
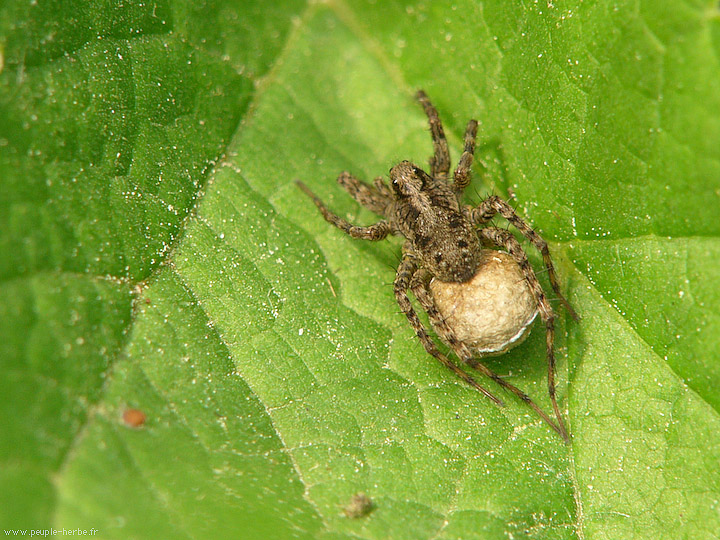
point(158, 256)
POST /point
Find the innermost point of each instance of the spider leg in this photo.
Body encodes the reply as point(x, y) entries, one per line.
point(378, 231)
point(406, 270)
point(495, 205)
point(363, 193)
point(462, 171)
point(505, 239)
point(440, 162)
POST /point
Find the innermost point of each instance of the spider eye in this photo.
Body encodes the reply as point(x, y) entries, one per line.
point(420, 175)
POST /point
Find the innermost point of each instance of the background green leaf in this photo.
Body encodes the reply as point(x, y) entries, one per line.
point(157, 255)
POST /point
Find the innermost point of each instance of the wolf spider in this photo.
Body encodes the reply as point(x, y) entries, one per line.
point(444, 241)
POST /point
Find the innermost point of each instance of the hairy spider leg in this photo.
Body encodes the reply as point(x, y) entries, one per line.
point(495, 205)
point(406, 270)
point(440, 161)
point(377, 231)
point(419, 287)
point(505, 239)
point(462, 171)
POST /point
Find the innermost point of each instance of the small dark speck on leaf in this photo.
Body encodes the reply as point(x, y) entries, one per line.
point(360, 506)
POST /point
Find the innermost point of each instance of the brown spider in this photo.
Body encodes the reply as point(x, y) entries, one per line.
point(443, 243)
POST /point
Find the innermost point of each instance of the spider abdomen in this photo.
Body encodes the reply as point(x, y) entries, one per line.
point(493, 311)
point(448, 246)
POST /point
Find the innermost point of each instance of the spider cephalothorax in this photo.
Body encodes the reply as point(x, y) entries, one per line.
point(445, 266)
point(427, 212)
